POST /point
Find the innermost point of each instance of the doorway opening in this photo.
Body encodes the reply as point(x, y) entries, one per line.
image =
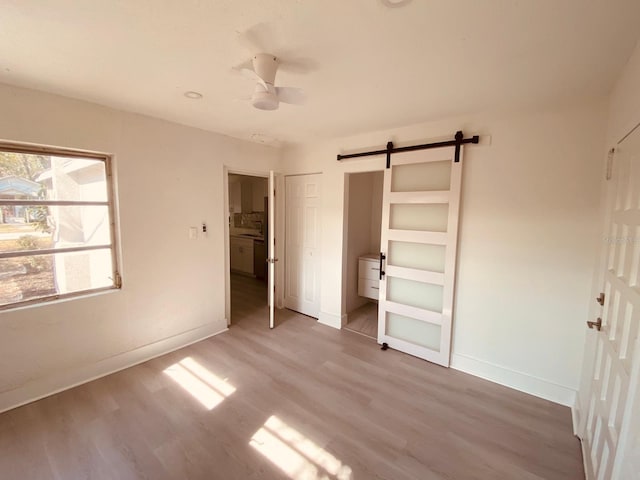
point(363, 223)
point(247, 234)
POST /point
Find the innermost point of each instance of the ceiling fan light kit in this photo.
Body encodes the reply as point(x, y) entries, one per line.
point(264, 99)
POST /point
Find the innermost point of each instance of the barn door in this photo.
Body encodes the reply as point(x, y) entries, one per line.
point(418, 253)
point(611, 430)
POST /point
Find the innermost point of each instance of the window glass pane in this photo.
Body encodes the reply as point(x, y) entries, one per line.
point(414, 331)
point(415, 294)
point(431, 217)
point(421, 177)
point(27, 176)
point(75, 179)
point(44, 227)
point(420, 256)
point(38, 276)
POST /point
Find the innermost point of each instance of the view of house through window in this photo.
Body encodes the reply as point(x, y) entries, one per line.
point(56, 235)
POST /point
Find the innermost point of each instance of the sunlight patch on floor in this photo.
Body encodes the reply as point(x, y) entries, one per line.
point(203, 385)
point(296, 455)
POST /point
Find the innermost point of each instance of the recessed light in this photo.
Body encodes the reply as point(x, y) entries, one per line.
point(395, 3)
point(193, 95)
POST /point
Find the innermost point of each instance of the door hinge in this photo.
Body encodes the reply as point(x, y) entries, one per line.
point(610, 164)
point(597, 324)
point(117, 280)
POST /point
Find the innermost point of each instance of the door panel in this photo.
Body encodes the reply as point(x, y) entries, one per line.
point(421, 256)
point(608, 429)
point(419, 241)
point(421, 217)
point(422, 177)
point(411, 330)
point(302, 267)
point(415, 294)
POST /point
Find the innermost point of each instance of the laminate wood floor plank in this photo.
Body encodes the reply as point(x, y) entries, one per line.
point(364, 320)
point(301, 401)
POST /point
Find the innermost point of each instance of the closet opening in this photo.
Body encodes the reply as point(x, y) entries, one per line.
point(363, 220)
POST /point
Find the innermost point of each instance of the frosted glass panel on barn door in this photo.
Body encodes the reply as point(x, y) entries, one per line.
point(418, 242)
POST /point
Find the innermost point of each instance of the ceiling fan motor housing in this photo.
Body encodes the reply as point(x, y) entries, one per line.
point(266, 66)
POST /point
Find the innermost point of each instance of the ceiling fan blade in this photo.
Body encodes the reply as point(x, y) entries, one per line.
point(246, 64)
point(292, 95)
point(292, 62)
point(249, 74)
point(258, 38)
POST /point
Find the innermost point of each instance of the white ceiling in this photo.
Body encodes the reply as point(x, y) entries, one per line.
point(369, 66)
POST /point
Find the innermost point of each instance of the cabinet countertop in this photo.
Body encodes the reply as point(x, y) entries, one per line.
point(247, 237)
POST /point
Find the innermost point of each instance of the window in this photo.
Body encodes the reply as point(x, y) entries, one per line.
point(57, 236)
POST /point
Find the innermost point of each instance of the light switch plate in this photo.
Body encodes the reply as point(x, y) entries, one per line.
point(193, 233)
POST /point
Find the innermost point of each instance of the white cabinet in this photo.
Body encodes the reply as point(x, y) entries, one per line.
point(241, 254)
point(246, 196)
point(240, 197)
point(369, 276)
point(235, 197)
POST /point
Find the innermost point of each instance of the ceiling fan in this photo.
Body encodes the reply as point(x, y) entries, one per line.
point(266, 95)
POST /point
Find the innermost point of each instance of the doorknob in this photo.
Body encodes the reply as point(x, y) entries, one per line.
point(597, 324)
point(600, 298)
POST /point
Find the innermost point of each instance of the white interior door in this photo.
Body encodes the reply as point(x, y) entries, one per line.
point(302, 247)
point(419, 242)
point(611, 425)
point(271, 249)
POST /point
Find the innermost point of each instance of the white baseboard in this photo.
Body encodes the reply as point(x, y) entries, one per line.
point(58, 382)
point(513, 379)
point(332, 320)
point(574, 420)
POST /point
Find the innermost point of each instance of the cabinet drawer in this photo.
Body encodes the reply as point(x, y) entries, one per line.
point(368, 288)
point(369, 269)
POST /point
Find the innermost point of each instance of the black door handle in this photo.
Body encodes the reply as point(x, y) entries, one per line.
point(382, 257)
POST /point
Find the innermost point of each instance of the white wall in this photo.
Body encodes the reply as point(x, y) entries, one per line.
point(527, 238)
point(168, 177)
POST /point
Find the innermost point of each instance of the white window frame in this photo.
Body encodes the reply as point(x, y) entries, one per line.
point(109, 203)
